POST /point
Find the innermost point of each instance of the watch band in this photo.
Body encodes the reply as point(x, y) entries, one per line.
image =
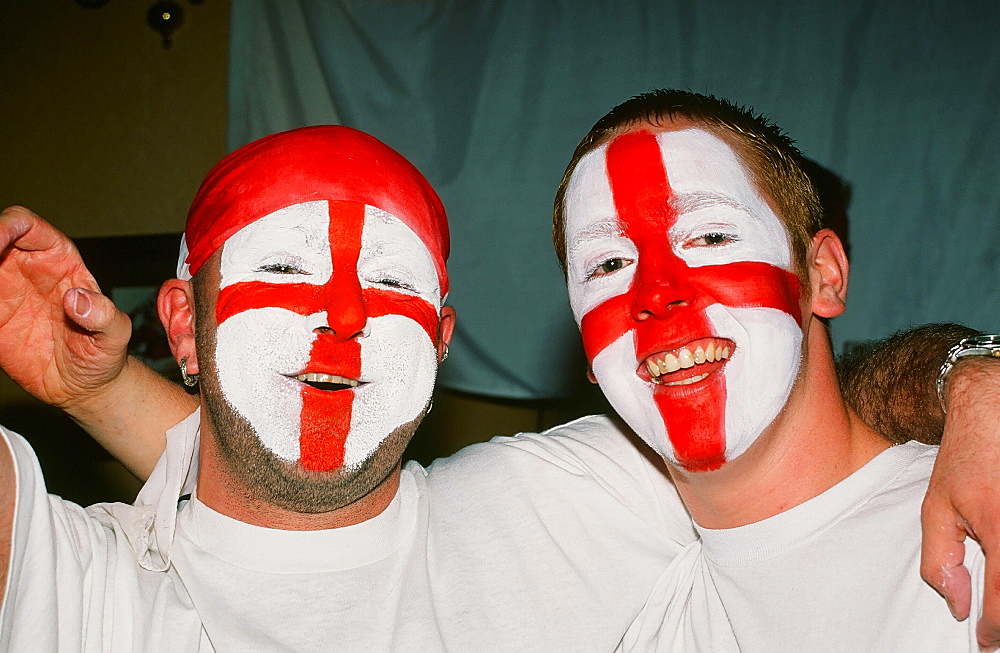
point(966, 347)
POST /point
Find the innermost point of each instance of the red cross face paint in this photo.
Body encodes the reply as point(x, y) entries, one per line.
point(680, 277)
point(327, 316)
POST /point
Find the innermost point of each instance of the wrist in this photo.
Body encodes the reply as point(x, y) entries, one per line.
point(89, 406)
point(967, 350)
point(973, 381)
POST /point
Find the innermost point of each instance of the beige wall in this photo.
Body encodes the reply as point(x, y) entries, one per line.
point(103, 131)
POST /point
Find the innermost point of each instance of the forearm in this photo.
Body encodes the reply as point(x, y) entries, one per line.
point(891, 383)
point(131, 415)
point(8, 492)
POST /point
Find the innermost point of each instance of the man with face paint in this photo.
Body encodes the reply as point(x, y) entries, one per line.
point(319, 356)
point(309, 303)
point(701, 278)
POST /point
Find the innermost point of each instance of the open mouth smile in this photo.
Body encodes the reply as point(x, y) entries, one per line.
point(327, 382)
point(689, 364)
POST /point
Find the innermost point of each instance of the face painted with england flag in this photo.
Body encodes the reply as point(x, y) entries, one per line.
point(327, 319)
point(680, 276)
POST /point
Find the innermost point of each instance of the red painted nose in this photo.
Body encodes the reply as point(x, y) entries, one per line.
point(346, 315)
point(660, 287)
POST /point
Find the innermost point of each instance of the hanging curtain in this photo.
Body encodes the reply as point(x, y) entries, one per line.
point(488, 99)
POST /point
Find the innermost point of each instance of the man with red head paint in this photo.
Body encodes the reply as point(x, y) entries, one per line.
point(309, 303)
point(702, 294)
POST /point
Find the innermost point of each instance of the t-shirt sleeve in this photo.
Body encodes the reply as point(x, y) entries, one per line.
point(56, 579)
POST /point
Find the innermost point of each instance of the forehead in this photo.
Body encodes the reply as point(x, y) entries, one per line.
point(698, 165)
point(306, 230)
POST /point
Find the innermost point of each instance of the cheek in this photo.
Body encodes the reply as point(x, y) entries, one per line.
point(254, 351)
point(631, 397)
point(399, 362)
point(760, 378)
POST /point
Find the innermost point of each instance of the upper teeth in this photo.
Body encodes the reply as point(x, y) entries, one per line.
point(326, 378)
point(685, 358)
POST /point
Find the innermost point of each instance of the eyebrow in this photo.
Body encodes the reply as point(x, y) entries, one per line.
point(681, 203)
point(688, 202)
point(609, 228)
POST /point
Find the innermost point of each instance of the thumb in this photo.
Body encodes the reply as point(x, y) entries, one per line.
point(942, 554)
point(97, 314)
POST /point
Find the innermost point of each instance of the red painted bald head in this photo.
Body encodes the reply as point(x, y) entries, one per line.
point(325, 162)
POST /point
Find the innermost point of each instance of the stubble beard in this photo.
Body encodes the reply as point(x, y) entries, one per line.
point(287, 485)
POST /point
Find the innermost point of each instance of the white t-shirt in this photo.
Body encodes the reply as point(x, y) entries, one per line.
point(840, 572)
point(537, 542)
point(73, 583)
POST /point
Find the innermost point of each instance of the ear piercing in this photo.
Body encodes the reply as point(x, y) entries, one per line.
point(190, 380)
point(444, 356)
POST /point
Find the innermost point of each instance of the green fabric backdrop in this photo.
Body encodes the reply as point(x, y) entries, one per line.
point(488, 99)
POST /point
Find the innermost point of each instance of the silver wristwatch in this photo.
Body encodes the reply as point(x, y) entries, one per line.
point(966, 347)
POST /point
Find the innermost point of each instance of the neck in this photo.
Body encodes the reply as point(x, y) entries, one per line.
point(224, 492)
point(813, 444)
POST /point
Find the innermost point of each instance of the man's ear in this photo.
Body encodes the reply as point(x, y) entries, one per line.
point(175, 304)
point(446, 328)
point(828, 272)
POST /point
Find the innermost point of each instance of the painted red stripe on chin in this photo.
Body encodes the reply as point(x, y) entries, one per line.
point(326, 416)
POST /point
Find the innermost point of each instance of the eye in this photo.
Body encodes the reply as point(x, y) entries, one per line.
point(712, 239)
point(608, 266)
point(395, 283)
point(281, 268)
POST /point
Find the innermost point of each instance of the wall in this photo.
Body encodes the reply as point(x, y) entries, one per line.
point(104, 131)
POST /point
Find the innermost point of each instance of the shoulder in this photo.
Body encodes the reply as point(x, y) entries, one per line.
point(908, 467)
point(593, 459)
point(595, 445)
point(56, 551)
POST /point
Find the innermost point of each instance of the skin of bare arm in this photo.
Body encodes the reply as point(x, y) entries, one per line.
point(891, 384)
point(66, 344)
point(7, 491)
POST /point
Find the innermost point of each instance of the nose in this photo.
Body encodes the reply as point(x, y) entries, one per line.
point(660, 289)
point(346, 314)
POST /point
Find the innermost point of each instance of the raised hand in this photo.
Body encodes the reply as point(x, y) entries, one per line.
point(60, 338)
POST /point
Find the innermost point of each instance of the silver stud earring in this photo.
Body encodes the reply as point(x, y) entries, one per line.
point(444, 356)
point(190, 380)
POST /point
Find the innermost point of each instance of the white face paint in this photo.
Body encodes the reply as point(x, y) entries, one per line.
point(362, 310)
point(660, 230)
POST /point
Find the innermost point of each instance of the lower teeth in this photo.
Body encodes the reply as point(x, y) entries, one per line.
point(688, 381)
